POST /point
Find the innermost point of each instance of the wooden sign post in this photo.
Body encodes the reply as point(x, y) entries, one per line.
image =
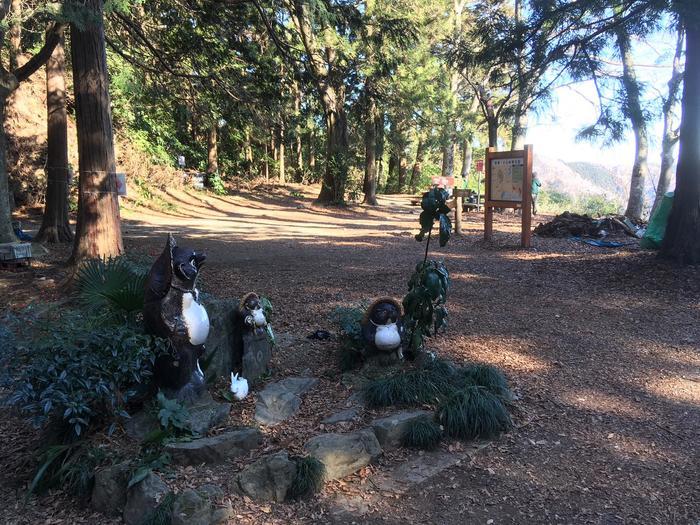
point(509, 185)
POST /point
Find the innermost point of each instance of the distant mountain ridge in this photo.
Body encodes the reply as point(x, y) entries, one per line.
point(582, 178)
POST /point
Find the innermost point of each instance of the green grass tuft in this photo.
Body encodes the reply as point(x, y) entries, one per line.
point(486, 376)
point(413, 388)
point(309, 478)
point(473, 412)
point(423, 433)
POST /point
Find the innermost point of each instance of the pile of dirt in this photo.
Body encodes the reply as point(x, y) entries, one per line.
point(574, 225)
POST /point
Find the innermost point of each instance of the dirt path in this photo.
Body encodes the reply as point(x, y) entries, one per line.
point(602, 347)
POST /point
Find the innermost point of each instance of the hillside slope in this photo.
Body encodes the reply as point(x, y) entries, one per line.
point(25, 126)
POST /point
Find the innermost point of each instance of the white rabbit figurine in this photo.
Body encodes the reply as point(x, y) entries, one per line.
point(239, 386)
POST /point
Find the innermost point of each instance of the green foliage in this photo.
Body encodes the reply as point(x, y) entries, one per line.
point(309, 478)
point(473, 412)
point(424, 304)
point(113, 284)
point(597, 205)
point(594, 205)
point(413, 388)
point(71, 467)
point(434, 205)
point(172, 415)
point(216, 184)
point(79, 374)
point(268, 310)
point(487, 376)
point(423, 433)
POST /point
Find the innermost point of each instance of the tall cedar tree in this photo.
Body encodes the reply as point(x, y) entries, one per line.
point(55, 226)
point(98, 230)
point(9, 81)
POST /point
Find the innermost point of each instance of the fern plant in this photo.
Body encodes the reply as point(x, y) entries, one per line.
point(111, 283)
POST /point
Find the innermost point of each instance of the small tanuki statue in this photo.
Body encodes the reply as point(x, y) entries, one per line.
point(172, 310)
point(382, 328)
point(253, 341)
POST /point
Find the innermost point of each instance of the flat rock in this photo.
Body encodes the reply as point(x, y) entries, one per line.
point(299, 385)
point(339, 417)
point(269, 478)
point(143, 498)
point(281, 400)
point(205, 414)
point(343, 454)
point(215, 449)
point(420, 468)
point(389, 430)
point(109, 490)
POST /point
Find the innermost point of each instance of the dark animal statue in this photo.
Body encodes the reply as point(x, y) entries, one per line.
point(382, 327)
point(172, 310)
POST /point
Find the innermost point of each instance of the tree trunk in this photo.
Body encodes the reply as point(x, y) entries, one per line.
point(335, 174)
point(369, 187)
point(519, 128)
point(297, 132)
point(417, 165)
point(15, 35)
point(55, 226)
point(6, 233)
point(212, 154)
point(448, 159)
point(312, 155)
point(682, 238)
point(282, 178)
point(391, 169)
point(466, 160)
point(266, 164)
point(98, 230)
point(635, 205)
point(670, 136)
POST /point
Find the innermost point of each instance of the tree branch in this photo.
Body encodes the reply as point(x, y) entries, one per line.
point(53, 37)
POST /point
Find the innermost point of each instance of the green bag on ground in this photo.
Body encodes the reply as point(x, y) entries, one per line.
point(656, 229)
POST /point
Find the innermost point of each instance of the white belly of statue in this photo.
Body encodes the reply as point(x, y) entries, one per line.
point(196, 319)
point(387, 337)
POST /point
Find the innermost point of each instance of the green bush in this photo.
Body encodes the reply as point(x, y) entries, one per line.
point(79, 374)
point(473, 412)
point(71, 467)
point(309, 478)
point(423, 433)
point(424, 304)
point(110, 284)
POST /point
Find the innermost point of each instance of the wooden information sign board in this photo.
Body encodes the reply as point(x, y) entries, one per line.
point(508, 185)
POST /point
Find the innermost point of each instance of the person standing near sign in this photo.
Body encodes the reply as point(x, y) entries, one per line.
point(535, 191)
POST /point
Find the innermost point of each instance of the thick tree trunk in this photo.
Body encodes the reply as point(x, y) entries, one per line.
point(212, 153)
point(15, 35)
point(393, 164)
point(6, 233)
point(635, 204)
point(312, 155)
point(369, 186)
point(55, 226)
point(98, 231)
point(335, 174)
point(466, 159)
point(282, 176)
point(266, 164)
point(448, 160)
point(670, 135)
point(519, 128)
point(298, 147)
point(682, 239)
point(417, 165)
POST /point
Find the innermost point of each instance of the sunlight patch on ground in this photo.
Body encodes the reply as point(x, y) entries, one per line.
point(596, 401)
point(677, 389)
